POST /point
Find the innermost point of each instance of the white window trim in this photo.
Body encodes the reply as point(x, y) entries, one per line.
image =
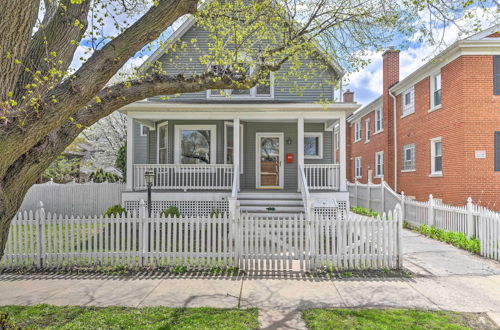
point(379, 175)
point(253, 93)
point(431, 92)
point(226, 124)
point(141, 130)
point(337, 143)
point(367, 130)
point(357, 128)
point(158, 141)
point(406, 147)
point(435, 173)
point(408, 109)
point(376, 131)
point(213, 140)
point(356, 160)
point(319, 135)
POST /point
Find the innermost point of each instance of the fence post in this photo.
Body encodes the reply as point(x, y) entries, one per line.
point(399, 218)
point(369, 189)
point(470, 218)
point(431, 210)
point(40, 234)
point(356, 191)
point(382, 194)
point(403, 207)
point(142, 223)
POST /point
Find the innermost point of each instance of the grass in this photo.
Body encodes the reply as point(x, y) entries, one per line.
point(389, 319)
point(73, 317)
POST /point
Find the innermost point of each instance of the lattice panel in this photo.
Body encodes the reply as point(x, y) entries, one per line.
point(339, 212)
point(187, 208)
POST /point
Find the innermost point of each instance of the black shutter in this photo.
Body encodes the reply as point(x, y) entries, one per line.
point(497, 151)
point(496, 75)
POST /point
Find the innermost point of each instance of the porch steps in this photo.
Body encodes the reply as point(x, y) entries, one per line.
point(271, 204)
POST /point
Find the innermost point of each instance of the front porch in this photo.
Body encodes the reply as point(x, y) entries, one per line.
point(195, 153)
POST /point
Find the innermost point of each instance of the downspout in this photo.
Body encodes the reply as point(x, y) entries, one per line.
point(395, 143)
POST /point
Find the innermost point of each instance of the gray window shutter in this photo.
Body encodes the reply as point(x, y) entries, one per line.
point(496, 75)
point(497, 151)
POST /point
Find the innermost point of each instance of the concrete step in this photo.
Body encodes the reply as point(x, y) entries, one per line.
point(263, 208)
point(273, 214)
point(275, 202)
point(268, 195)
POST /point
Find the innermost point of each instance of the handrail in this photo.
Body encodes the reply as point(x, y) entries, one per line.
point(236, 178)
point(304, 190)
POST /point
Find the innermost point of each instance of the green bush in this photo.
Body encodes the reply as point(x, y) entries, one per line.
point(364, 211)
point(6, 324)
point(172, 211)
point(115, 210)
point(100, 176)
point(454, 238)
point(215, 213)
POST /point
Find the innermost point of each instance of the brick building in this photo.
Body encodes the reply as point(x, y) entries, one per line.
point(442, 134)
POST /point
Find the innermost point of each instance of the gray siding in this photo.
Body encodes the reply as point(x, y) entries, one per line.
point(250, 129)
point(293, 89)
point(140, 145)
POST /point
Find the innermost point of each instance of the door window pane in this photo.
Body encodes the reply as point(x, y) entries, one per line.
point(269, 161)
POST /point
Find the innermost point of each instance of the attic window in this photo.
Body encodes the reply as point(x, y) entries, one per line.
point(262, 90)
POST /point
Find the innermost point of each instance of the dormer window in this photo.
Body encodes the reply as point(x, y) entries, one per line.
point(265, 89)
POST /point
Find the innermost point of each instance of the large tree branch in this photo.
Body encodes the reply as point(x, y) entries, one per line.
point(75, 92)
point(58, 33)
point(17, 19)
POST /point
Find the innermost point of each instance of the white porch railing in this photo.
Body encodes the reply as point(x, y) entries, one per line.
point(322, 176)
point(185, 176)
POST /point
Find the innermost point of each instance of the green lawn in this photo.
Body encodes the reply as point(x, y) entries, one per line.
point(72, 317)
point(389, 319)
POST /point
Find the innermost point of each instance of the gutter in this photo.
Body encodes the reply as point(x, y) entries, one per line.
point(395, 142)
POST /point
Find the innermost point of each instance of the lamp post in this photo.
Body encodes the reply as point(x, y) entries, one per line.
point(149, 176)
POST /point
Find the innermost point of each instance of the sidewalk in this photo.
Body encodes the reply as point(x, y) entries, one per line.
point(447, 279)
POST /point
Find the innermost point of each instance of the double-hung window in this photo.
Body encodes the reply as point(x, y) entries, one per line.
point(195, 144)
point(367, 130)
point(313, 145)
point(436, 157)
point(357, 131)
point(264, 89)
point(436, 91)
point(409, 157)
point(379, 164)
point(379, 121)
point(409, 101)
point(357, 167)
point(143, 130)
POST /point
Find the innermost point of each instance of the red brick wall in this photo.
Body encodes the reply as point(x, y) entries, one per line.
point(466, 122)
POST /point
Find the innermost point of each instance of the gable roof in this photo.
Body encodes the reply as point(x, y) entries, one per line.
point(190, 21)
point(373, 105)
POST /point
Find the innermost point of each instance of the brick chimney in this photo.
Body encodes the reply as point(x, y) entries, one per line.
point(348, 96)
point(390, 76)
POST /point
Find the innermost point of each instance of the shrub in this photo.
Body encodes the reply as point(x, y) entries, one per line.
point(454, 238)
point(7, 324)
point(215, 213)
point(115, 210)
point(172, 211)
point(100, 176)
point(364, 211)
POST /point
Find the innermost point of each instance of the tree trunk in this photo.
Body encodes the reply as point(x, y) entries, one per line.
point(9, 204)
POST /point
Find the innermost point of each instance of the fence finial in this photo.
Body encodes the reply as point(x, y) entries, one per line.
point(40, 204)
point(469, 200)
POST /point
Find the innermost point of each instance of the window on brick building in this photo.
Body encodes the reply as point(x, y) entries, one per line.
point(357, 131)
point(408, 101)
point(409, 157)
point(497, 151)
point(436, 90)
point(379, 164)
point(496, 75)
point(436, 157)
point(357, 167)
point(379, 120)
point(367, 130)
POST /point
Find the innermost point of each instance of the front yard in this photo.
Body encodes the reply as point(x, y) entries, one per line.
point(73, 317)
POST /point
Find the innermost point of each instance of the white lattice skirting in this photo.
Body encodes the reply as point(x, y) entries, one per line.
point(187, 208)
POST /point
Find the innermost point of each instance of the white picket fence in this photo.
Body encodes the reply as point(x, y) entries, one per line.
point(83, 199)
point(471, 220)
point(249, 243)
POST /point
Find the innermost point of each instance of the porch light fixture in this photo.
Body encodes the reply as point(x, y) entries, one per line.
point(149, 177)
point(289, 141)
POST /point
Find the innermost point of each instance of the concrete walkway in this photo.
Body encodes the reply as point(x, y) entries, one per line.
point(447, 278)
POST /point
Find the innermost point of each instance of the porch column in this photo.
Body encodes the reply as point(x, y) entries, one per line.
point(342, 154)
point(130, 153)
point(300, 148)
point(236, 147)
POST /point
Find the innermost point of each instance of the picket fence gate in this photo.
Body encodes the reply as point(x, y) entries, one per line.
point(247, 242)
point(471, 220)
